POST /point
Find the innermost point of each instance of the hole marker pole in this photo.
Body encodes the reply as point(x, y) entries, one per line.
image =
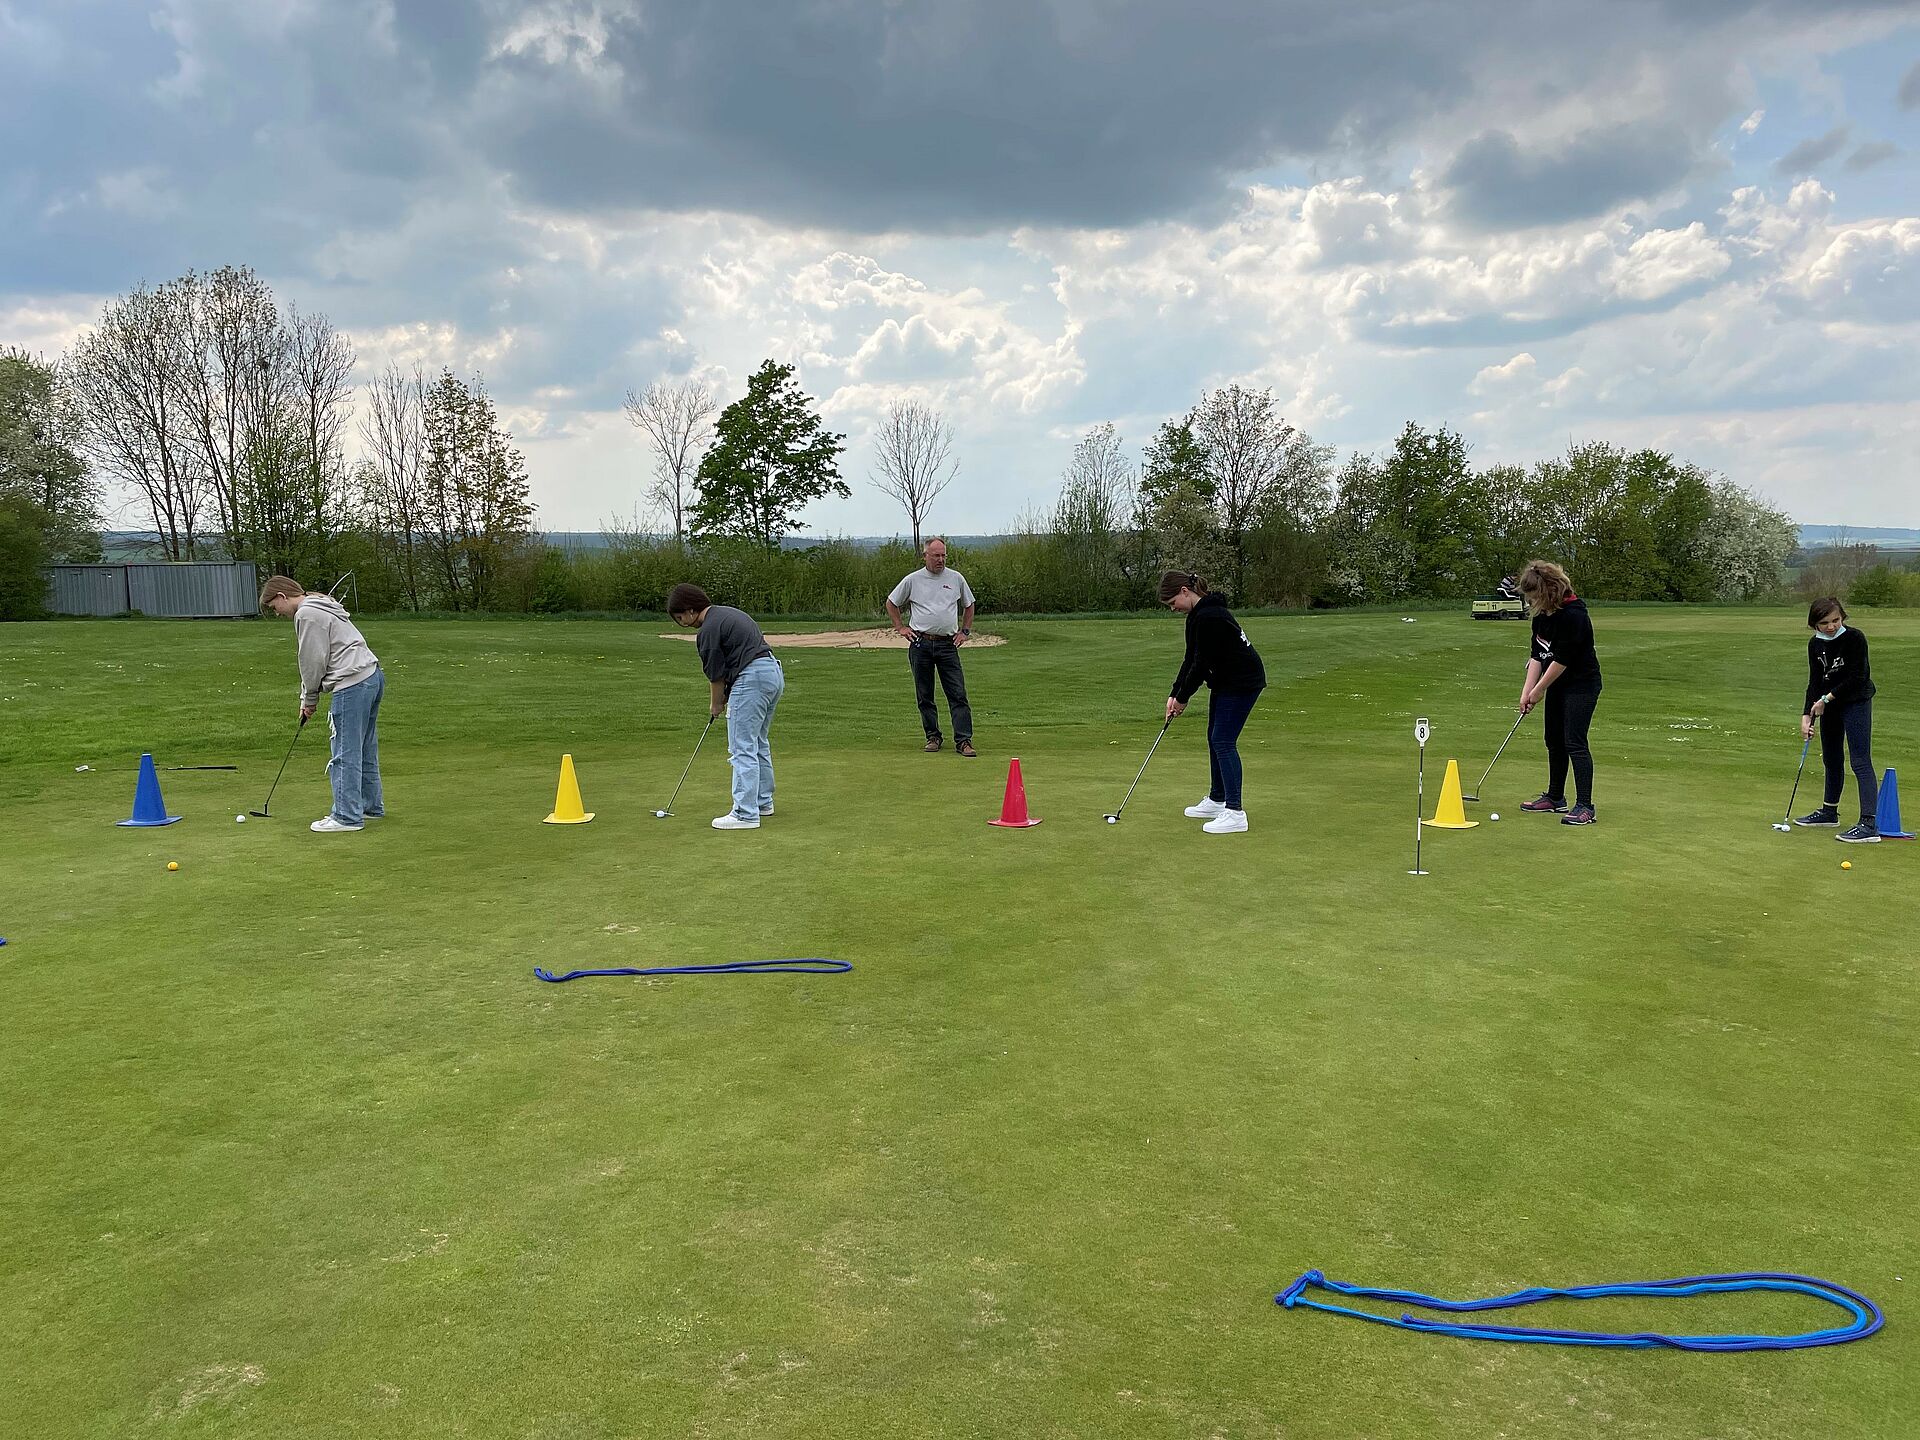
point(1421, 730)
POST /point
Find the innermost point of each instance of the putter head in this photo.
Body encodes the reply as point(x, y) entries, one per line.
point(1111, 819)
point(662, 814)
point(1783, 829)
point(259, 814)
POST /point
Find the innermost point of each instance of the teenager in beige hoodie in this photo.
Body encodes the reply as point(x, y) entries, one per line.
point(334, 658)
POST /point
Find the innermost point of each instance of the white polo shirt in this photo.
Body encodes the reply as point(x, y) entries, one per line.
point(933, 602)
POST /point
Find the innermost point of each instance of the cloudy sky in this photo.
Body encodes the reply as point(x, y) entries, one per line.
point(1693, 224)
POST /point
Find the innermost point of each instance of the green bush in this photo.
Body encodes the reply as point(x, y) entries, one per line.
point(1876, 586)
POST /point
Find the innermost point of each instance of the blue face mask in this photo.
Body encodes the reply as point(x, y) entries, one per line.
point(1818, 635)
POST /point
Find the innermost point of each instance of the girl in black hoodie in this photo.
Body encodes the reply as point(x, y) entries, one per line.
point(1563, 669)
point(1839, 700)
point(1219, 656)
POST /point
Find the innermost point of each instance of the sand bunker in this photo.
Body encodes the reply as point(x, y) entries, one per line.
point(881, 637)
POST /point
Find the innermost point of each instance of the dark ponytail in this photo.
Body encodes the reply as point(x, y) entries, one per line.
point(1172, 582)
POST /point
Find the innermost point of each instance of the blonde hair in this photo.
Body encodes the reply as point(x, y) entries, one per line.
point(278, 585)
point(1545, 585)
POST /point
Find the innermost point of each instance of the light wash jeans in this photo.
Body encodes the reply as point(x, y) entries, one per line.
point(354, 769)
point(749, 726)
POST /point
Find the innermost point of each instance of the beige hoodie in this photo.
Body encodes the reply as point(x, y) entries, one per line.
point(333, 654)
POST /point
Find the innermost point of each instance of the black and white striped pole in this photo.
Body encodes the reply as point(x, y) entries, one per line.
point(1421, 730)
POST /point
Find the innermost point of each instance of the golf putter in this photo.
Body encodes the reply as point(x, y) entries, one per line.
point(261, 813)
point(1474, 798)
point(664, 814)
point(1786, 825)
point(1114, 818)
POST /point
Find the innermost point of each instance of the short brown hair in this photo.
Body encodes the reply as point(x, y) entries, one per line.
point(685, 599)
point(1546, 586)
point(1823, 607)
point(278, 585)
point(1172, 582)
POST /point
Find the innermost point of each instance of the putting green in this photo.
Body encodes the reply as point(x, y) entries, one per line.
point(296, 1145)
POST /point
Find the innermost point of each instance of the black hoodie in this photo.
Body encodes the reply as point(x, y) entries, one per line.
point(1218, 654)
point(1566, 636)
point(1838, 668)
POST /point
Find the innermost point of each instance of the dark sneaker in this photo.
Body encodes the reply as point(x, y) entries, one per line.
point(932, 745)
point(1865, 833)
point(1579, 815)
point(965, 747)
point(1545, 805)
point(1825, 815)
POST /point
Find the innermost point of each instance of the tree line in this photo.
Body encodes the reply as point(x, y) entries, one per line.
point(223, 417)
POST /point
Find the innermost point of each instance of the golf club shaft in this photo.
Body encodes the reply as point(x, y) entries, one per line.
point(268, 805)
point(199, 767)
point(1794, 793)
point(1143, 766)
point(690, 759)
point(1497, 754)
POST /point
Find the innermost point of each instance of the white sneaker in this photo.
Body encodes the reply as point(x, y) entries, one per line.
point(326, 825)
point(1230, 822)
point(1206, 809)
point(731, 821)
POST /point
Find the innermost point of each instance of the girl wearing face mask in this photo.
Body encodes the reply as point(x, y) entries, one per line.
point(1840, 700)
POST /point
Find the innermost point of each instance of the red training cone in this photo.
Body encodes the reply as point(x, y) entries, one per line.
point(1013, 809)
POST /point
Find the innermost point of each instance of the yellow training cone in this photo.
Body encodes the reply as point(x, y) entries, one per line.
point(567, 809)
point(1451, 813)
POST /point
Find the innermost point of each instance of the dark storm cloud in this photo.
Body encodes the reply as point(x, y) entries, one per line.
point(1811, 154)
point(1499, 183)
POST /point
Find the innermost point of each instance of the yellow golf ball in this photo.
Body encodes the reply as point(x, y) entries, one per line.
point(1846, 864)
point(173, 864)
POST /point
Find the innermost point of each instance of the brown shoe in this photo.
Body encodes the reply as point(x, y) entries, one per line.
point(932, 746)
point(965, 747)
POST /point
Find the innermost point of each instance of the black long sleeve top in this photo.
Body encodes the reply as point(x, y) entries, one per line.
point(1566, 636)
point(1838, 668)
point(1218, 654)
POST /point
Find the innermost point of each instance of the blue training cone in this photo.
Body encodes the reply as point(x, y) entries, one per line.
point(1887, 811)
point(148, 807)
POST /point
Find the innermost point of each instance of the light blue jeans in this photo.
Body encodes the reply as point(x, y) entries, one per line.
point(352, 725)
point(749, 727)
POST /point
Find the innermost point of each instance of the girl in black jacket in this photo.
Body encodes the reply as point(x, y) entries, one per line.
point(1219, 656)
point(1563, 669)
point(1839, 698)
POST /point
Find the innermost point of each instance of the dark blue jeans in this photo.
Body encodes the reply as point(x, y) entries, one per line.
point(1851, 724)
point(932, 654)
point(1226, 718)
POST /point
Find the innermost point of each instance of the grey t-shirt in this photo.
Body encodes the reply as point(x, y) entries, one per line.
point(933, 602)
point(728, 642)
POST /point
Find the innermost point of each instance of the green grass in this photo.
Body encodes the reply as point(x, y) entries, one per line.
point(295, 1145)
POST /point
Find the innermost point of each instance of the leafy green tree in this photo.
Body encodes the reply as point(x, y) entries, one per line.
point(1746, 544)
point(771, 457)
point(1178, 495)
point(1679, 526)
point(40, 461)
point(23, 558)
point(478, 512)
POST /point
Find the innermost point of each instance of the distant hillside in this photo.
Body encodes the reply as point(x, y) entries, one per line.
point(1814, 537)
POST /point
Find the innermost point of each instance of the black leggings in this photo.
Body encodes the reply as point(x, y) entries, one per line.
point(1569, 713)
point(1851, 723)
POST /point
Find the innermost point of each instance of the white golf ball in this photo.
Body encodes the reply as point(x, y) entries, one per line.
point(239, 819)
point(1113, 819)
point(1493, 817)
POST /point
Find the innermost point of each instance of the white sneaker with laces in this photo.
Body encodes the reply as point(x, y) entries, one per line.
point(731, 821)
point(1206, 809)
point(327, 825)
point(1228, 822)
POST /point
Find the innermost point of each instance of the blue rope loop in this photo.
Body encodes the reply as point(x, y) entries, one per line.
point(1865, 1317)
point(734, 967)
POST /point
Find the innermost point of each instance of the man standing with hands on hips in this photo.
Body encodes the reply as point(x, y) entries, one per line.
point(938, 622)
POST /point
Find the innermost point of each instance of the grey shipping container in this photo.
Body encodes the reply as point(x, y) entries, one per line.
point(196, 590)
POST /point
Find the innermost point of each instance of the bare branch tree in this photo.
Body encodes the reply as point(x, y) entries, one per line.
point(678, 419)
point(913, 448)
point(135, 425)
point(1248, 456)
point(393, 430)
